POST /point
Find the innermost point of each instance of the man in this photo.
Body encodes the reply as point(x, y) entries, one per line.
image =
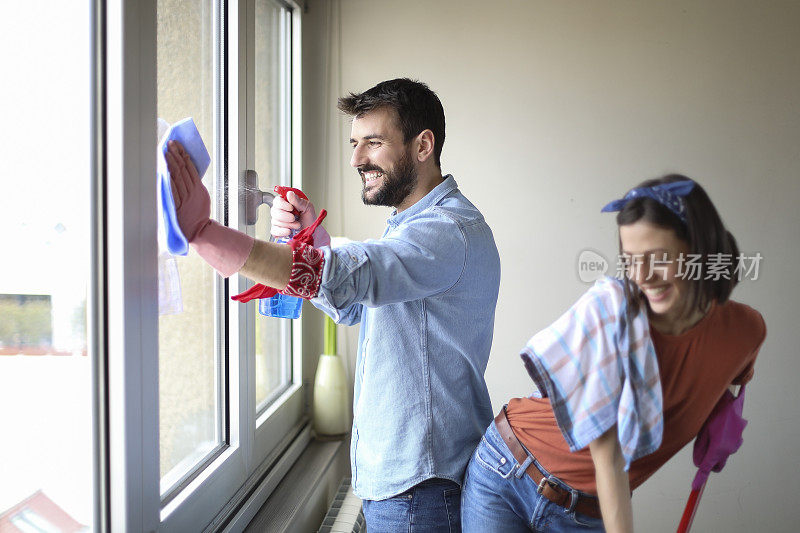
point(424, 295)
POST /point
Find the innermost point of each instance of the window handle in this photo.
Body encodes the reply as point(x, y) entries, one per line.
point(254, 197)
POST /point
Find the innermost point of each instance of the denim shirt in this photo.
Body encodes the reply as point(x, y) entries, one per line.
point(425, 295)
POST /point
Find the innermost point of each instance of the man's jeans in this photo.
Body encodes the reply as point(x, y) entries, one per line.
point(499, 497)
point(432, 506)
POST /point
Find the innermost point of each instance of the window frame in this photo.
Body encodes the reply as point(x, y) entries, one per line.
point(286, 408)
point(126, 288)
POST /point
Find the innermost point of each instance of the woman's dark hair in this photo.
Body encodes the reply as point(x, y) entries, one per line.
point(417, 106)
point(704, 233)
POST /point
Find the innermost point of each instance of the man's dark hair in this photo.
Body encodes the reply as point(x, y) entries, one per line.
point(418, 108)
point(703, 231)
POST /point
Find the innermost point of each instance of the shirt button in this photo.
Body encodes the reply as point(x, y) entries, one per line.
point(502, 460)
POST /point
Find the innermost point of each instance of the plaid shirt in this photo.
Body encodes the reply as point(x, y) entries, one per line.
point(596, 375)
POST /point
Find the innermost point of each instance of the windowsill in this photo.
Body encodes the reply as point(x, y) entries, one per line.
point(300, 501)
point(294, 489)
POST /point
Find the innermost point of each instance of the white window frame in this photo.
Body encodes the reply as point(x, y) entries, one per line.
point(279, 417)
point(132, 305)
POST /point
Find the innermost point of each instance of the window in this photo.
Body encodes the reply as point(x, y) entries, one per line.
point(30, 522)
point(191, 356)
point(272, 155)
point(46, 470)
point(144, 398)
point(211, 391)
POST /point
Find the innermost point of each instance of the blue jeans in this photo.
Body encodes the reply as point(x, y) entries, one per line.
point(499, 496)
point(432, 506)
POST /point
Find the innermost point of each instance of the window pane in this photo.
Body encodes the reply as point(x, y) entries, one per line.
point(189, 361)
point(272, 157)
point(45, 369)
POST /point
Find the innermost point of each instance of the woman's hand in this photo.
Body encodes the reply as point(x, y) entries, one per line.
point(192, 201)
point(613, 488)
point(224, 248)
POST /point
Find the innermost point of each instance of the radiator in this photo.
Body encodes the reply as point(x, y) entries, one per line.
point(344, 515)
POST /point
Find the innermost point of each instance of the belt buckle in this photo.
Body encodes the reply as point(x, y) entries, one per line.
point(540, 487)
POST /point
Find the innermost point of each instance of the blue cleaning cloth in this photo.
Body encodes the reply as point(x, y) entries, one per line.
point(186, 133)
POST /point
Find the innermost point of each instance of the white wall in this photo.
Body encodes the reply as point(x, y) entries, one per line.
point(554, 108)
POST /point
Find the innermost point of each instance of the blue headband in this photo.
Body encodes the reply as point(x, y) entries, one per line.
point(670, 195)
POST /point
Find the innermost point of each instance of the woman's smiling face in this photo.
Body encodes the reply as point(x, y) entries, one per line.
point(652, 254)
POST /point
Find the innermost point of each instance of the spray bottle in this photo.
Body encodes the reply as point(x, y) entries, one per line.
point(281, 305)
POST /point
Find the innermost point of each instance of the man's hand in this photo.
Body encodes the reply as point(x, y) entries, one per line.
point(284, 220)
point(192, 201)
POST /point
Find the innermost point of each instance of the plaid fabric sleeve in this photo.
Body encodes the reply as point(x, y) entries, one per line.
point(597, 375)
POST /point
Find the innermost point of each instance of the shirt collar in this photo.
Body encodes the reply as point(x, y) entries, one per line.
point(447, 186)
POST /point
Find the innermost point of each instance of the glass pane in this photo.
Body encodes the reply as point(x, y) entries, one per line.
point(271, 120)
point(189, 377)
point(45, 368)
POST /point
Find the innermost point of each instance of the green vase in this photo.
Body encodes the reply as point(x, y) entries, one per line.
point(331, 391)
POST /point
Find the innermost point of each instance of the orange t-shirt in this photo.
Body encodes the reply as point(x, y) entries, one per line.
point(695, 368)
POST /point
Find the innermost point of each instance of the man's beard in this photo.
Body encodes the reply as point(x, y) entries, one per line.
point(397, 184)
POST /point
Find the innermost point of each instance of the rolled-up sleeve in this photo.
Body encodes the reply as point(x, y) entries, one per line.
point(418, 259)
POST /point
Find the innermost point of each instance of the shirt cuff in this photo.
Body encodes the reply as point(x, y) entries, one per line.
point(306, 275)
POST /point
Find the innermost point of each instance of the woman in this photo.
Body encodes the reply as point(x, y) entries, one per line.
point(626, 377)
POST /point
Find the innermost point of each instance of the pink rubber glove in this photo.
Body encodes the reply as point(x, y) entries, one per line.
point(284, 220)
point(720, 437)
point(224, 248)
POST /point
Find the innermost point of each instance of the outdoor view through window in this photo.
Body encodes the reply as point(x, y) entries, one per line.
point(45, 368)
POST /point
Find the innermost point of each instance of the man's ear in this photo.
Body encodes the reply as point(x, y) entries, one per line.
point(424, 145)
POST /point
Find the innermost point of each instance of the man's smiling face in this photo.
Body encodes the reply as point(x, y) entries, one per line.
point(381, 158)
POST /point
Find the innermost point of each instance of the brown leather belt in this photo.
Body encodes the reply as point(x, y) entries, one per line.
point(586, 505)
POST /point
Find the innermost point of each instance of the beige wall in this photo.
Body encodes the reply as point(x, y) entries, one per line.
point(554, 108)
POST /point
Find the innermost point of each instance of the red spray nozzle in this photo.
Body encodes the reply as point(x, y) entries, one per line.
point(282, 191)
